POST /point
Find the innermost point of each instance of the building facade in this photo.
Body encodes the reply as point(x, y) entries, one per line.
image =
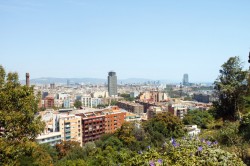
point(178, 110)
point(88, 101)
point(93, 126)
point(131, 107)
point(202, 98)
point(153, 96)
point(185, 80)
point(71, 128)
point(112, 84)
point(153, 111)
point(48, 102)
point(50, 138)
point(114, 119)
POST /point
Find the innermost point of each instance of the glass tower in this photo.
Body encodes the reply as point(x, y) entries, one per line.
point(112, 84)
point(185, 79)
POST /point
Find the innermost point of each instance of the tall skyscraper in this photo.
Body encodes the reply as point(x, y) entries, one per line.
point(112, 84)
point(185, 80)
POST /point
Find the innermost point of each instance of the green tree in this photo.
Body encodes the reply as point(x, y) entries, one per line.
point(78, 162)
point(18, 109)
point(65, 147)
point(125, 133)
point(38, 157)
point(113, 102)
point(200, 118)
point(230, 87)
point(112, 141)
point(229, 134)
point(77, 103)
point(164, 125)
point(51, 150)
point(127, 97)
point(244, 127)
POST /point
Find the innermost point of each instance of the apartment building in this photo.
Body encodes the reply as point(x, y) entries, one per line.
point(153, 111)
point(93, 126)
point(88, 101)
point(48, 102)
point(96, 123)
point(71, 128)
point(131, 107)
point(153, 96)
point(130, 117)
point(114, 118)
point(178, 110)
point(50, 138)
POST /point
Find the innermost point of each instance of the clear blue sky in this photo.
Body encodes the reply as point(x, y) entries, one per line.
point(156, 39)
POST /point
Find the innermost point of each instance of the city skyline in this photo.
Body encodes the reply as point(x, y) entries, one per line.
point(159, 40)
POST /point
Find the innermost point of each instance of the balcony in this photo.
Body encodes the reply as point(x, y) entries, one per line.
point(67, 130)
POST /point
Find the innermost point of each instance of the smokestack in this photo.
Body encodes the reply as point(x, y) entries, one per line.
point(249, 57)
point(27, 79)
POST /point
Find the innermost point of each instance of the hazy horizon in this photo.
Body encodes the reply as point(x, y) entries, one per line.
point(158, 40)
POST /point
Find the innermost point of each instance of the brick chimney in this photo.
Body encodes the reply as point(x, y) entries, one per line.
point(27, 79)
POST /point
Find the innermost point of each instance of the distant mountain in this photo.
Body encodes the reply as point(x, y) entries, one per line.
point(133, 80)
point(49, 80)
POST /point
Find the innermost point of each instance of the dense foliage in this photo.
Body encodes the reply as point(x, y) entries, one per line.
point(18, 106)
point(244, 127)
point(127, 97)
point(180, 152)
point(77, 104)
point(201, 118)
point(230, 87)
point(186, 151)
point(164, 125)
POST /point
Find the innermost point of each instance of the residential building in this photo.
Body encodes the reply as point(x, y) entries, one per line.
point(114, 118)
point(178, 110)
point(152, 111)
point(71, 128)
point(62, 96)
point(131, 107)
point(100, 94)
point(50, 138)
point(50, 117)
point(204, 98)
point(88, 101)
point(134, 94)
point(93, 126)
point(192, 130)
point(49, 102)
point(130, 117)
point(96, 123)
point(66, 103)
point(153, 96)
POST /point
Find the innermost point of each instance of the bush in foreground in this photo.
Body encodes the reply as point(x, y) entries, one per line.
point(186, 151)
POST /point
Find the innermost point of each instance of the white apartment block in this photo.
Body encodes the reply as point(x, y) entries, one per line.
point(50, 138)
